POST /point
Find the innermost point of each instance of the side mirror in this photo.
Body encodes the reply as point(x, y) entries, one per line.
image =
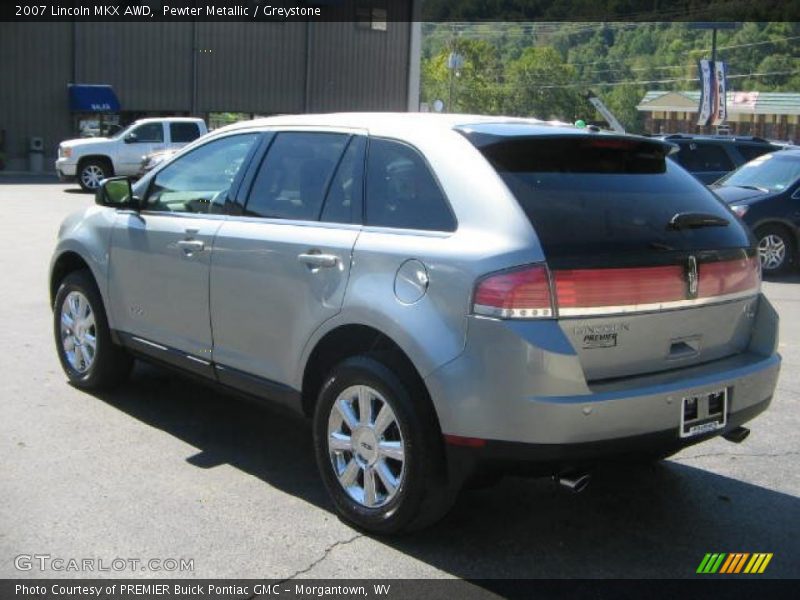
point(130, 138)
point(116, 192)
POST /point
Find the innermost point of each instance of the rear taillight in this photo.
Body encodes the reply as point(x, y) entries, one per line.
point(591, 288)
point(729, 277)
point(525, 293)
point(517, 294)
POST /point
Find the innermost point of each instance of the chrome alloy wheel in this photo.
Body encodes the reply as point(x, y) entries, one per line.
point(78, 332)
point(771, 251)
point(366, 446)
point(91, 176)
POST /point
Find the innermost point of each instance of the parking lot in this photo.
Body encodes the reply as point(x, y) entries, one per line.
point(166, 468)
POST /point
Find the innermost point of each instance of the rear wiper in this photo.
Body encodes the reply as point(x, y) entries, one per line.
point(695, 220)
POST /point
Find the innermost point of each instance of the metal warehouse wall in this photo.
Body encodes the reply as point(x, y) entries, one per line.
point(35, 68)
point(149, 65)
point(201, 67)
point(353, 68)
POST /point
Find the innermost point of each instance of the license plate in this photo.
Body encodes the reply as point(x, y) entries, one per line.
point(703, 413)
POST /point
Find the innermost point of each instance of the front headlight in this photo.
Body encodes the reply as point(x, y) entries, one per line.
point(64, 152)
point(740, 210)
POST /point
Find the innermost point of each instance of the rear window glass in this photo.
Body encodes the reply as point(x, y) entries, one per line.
point(703, 158)
point(605, 202)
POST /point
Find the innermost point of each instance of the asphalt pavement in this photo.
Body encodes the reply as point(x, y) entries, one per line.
point(167, 469)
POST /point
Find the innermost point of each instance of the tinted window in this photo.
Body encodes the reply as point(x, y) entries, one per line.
point(751, 151)
point(294, 176)
point(697, 157)
point(183, 132)
point(401, 190)
point(149, 132)
point(604, 202)
point(198, 182)
point(343, 202)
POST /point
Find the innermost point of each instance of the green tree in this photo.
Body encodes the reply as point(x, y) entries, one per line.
point(541, 85)
point(473, 88)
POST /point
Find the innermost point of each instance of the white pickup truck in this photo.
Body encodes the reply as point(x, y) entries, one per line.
point(91, 160)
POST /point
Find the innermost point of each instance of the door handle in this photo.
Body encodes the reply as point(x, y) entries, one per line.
point(191, 246)
point(316, 260)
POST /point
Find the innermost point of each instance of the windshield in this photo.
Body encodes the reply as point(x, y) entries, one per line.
point(123, 132)
point(771, 172)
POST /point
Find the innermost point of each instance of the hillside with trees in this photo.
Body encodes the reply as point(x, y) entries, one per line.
point(545, 69)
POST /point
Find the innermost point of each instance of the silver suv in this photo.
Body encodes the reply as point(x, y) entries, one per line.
point(441, 294)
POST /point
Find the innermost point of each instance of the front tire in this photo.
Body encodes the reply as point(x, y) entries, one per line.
point(89, 358)
point(91, 172)
point(776, 249)
point(378, 449)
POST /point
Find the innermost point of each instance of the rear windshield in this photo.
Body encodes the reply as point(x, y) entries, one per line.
point(608, 201)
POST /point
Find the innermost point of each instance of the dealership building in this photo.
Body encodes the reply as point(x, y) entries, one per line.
point(64, 79)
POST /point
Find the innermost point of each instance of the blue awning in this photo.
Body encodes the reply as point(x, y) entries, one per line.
point(92, 98)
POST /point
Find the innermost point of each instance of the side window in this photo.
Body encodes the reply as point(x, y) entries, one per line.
point(343, 202)
point(198, 182)
point(401, 190)
point(149, 132)
point(293, 178)
point(701, 158)
point(182, 133)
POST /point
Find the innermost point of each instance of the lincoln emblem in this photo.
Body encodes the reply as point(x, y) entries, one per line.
point(691, 276)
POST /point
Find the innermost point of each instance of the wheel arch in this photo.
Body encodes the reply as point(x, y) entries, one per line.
point(99, 157)
point(349, 340)
point(65, 263)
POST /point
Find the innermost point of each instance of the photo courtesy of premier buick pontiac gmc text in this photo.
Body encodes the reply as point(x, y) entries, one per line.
point(446, 297)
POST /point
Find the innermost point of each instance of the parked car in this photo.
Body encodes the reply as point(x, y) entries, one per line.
point(90, 160)
point(765, 193)
point(439, 294)
point(709, 157)
point(152, 160)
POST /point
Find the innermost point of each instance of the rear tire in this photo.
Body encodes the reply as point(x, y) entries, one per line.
point(91, 172)
point(89, 358)
point(776, 249)
point(379, 451)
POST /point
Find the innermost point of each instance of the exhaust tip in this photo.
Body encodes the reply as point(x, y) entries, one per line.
point(738, 435)
point(574, 482)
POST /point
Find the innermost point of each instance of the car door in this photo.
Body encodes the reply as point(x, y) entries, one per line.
point(160, 255)
point(136, 144)
point(280, 268)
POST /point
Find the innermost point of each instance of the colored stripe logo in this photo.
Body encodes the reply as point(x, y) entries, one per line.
point(734, 563)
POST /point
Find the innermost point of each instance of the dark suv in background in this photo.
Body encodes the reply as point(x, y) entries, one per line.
point(709, 157)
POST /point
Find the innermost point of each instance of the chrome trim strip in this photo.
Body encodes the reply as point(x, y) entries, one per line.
point(654, 307)
point(197, 360)
point(149, 343)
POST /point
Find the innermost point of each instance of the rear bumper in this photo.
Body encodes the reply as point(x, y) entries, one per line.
point(512, 389)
